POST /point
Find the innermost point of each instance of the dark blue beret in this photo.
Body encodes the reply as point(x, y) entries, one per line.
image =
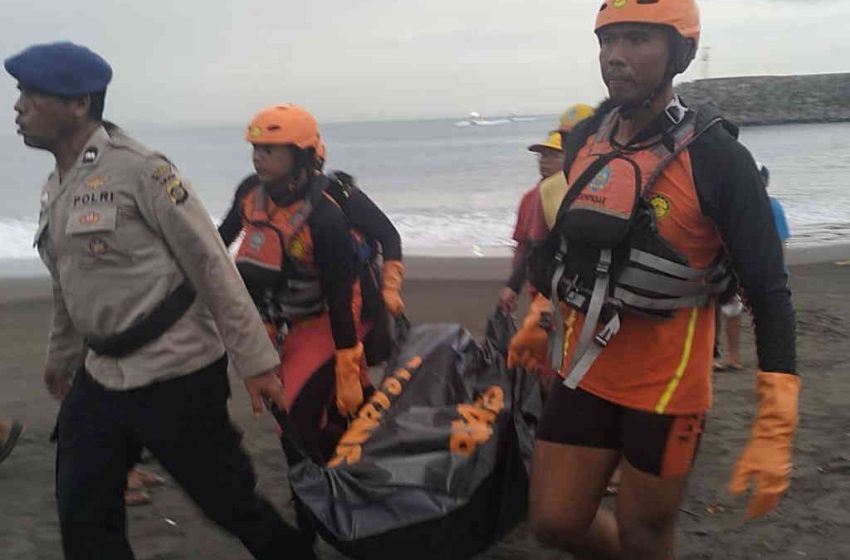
point(62, 69)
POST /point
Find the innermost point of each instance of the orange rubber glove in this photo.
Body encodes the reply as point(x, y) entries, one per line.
point(391, 289)
point(349, 391)
point(530, 345)
point(767, 457)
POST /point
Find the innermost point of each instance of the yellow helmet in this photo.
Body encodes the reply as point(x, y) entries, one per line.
point(574, 115)
point(553, 142)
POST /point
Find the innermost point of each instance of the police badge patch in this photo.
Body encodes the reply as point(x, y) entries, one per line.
point(177, 193)
point(163, 174)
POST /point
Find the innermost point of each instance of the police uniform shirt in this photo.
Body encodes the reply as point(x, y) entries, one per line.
point(119, 233)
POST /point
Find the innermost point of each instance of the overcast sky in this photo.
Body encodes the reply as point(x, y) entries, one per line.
point(203, 61)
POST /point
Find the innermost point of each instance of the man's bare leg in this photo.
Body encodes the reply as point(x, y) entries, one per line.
point(647, 506)
point(567, 486)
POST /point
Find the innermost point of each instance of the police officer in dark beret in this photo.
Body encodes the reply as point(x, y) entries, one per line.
point(148, 308)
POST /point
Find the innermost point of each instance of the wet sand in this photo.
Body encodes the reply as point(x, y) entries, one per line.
point(813, 520)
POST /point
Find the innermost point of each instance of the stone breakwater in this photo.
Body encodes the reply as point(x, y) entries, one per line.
point(762, 100)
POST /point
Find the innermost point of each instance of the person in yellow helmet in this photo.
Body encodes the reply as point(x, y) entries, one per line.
point(573, 115)
point(530, 218)
point(662, 201)
point(553, 188)
point(529, 224)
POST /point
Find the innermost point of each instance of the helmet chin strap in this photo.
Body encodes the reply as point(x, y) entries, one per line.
point(629, 111)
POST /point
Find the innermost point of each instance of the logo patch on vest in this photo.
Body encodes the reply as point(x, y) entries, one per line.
point(620, 3)
point(600, 181)
point(257, 240)
point(661, 205)
point(297, 249)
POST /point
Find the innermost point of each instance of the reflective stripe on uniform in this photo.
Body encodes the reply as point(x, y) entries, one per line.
point(683, 364)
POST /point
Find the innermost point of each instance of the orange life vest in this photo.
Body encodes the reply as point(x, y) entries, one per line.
point(276, 258)
point(616, 262)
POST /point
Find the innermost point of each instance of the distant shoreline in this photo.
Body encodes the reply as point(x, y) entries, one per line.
point(32, 283)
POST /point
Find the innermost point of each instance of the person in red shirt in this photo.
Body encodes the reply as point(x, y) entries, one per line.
point(530, 226)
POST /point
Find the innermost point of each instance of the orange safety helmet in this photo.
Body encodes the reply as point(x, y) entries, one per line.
point(321, 151)
point(681, 15)
point(574, 115)
point(284, 124)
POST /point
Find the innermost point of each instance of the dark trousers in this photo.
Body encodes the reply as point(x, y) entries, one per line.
point(184, 423)
point(319, 426)
point(314, 414)
point(317, 419)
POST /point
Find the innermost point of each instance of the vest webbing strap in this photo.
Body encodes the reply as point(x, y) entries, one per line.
point(671, 304)
point(556, 341)
point(667, 266)
point(651, 282)
point(600, 341)
point(594, 311)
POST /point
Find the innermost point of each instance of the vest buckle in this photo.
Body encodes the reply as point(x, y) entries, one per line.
point(608, 331)
point(567, 286)
point(601, 269)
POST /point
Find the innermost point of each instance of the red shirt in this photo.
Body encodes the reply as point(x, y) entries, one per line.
point(530, 224)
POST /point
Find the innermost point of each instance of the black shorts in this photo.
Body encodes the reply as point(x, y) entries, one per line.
point(658, 444)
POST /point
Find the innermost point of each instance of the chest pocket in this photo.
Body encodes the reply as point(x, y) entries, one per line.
point(93, 234)
point(92, 220)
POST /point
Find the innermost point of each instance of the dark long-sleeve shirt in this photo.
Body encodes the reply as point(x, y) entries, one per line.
point(365, 216)
point(337, 264)
point(732, 194)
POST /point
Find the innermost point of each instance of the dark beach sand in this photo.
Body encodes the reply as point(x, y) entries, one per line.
point(813, 520)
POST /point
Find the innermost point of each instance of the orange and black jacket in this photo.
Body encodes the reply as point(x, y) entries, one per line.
point(333, 253)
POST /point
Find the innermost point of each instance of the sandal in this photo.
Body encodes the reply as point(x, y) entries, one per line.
point(150, 478)
point(134, 480)
point(11, 440)
point(134, 498)
point(613, 487)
